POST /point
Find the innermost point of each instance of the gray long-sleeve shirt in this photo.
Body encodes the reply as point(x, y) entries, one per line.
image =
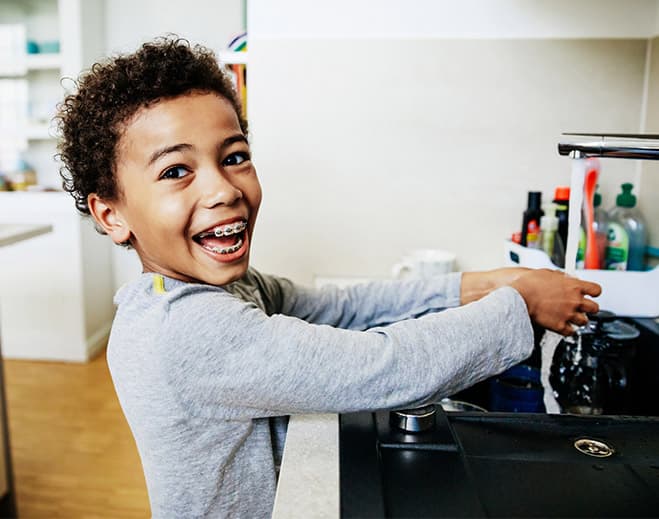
point(204, 374)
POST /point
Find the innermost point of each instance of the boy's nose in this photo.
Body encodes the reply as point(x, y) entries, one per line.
point(217, 189)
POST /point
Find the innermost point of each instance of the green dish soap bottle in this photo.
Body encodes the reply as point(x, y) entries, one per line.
point(601, 227)
point(626, 237)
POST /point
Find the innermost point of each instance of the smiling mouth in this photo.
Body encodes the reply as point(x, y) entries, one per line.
point(223, 239)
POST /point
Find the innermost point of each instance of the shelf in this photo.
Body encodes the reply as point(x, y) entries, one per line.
point(232, 58)
point(10, 234)
point(624, 292)
point(44, 61)
point(39, 132)
point(49, 202)
point(31, 62)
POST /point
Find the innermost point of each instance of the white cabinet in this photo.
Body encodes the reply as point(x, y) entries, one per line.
point(56, 289)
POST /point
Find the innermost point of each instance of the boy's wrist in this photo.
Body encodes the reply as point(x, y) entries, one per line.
point(476, 285)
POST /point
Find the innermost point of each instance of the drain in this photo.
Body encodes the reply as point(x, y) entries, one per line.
point(594, 448)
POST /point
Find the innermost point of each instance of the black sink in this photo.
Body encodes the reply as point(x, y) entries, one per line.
point(500, 465)
point(512, 464)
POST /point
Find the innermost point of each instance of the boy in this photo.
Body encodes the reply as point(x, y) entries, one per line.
point(209, 356)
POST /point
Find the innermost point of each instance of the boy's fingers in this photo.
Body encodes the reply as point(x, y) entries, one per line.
point(579, 319)
point(589, 306)
point(591, 289)
point(567, 330)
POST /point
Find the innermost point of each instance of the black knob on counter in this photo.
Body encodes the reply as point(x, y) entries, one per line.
point(599, 319)
point(603, 316)
point(414, 420)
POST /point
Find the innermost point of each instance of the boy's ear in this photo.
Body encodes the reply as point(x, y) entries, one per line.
point(109, 218)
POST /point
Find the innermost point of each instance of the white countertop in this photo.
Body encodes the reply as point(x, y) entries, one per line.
point(10, 233)
point(308, 486)
point(14, 233)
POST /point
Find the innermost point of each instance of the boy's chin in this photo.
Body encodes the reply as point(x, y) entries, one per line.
point(217, 277)
point(228, 275)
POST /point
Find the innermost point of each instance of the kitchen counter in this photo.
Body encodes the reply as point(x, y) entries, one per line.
point(11, 233)
point(308, 485)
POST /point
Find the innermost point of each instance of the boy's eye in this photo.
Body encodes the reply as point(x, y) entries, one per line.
point(236, 158)
point(174, 172)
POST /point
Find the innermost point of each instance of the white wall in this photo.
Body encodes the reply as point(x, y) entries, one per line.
point(649, 182)
point(209, 22)
point(363, 115)
point(378, 130)
point(367, 149)
point(452, 19)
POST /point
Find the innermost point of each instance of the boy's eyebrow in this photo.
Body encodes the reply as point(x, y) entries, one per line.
point(167, 149)
point(239, 137)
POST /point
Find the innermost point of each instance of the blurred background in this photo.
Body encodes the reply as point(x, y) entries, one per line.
point(376, 128)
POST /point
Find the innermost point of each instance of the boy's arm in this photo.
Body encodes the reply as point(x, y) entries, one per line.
point(229, 360)
point(366, 305)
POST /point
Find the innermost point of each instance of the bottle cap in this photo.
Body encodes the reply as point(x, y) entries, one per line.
point(562, 193)
point(535, 199)
point(548, 223)
point(626, 199)
point(597, 198)
point(550, 209)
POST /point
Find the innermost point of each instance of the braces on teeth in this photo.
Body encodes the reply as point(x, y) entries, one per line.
point(230, 229)
point(228, 250)
point(226, 230)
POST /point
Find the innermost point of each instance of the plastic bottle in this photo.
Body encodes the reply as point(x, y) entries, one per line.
point(18, 174)
point(562, 201)
point(581, 249)
point(533, 236)
point(551, 241)
point(601, 227)
point(626, 237)
point(548, 227)
point(531, 219)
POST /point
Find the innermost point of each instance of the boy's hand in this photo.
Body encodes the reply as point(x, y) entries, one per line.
point(555, 300)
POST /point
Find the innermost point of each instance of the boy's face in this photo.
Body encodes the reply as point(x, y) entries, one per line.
point(189, 194)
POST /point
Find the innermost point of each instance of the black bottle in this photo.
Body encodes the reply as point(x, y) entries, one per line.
point(532, 215)
point(562, 201)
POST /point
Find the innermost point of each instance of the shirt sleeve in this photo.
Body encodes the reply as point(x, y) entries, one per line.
point(365, 305)
point(231, 361)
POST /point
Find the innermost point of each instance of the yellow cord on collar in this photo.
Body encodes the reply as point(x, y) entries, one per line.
point(159, 284)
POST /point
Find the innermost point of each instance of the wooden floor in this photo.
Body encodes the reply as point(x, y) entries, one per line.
point(72, 452)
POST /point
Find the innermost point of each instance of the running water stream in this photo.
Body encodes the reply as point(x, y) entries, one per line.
point(574, 211)
point(550, 340)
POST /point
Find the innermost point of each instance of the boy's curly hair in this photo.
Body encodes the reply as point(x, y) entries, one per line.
point(90, 120)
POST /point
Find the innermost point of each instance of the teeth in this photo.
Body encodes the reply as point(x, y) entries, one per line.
point(228, 250)
point(228, 230)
